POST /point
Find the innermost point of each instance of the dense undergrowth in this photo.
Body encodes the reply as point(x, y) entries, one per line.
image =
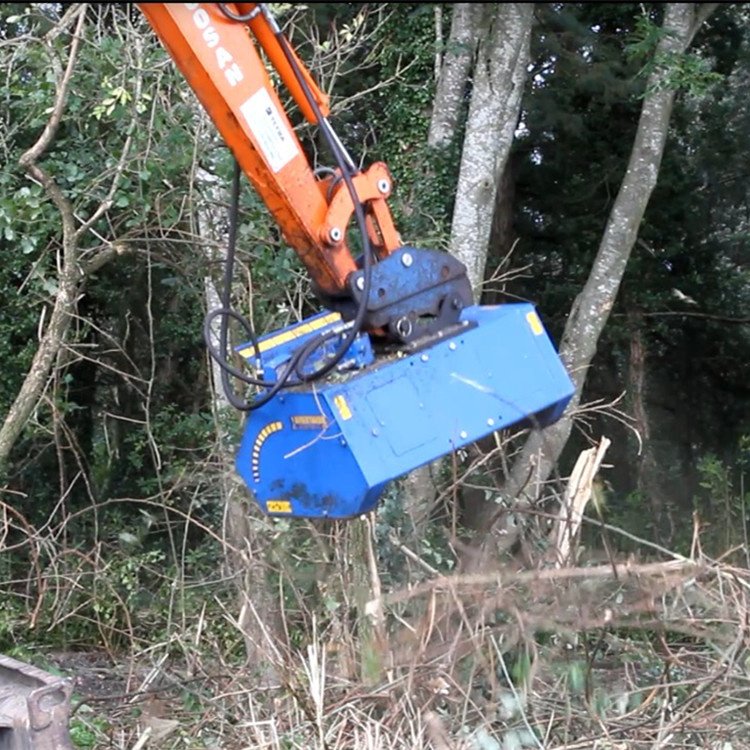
point(626, 645)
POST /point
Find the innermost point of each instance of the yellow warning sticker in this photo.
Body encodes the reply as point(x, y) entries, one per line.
point(536, 324)
point(343, 407)
point(309, 422)
point(293, 333)
point(279, 506)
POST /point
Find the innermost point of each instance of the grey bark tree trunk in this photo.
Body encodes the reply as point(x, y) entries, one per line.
point(73, 271)
point(454, 75)
point(419, 487)
point(244, 557)
point(498, 82)
point(592, 307)
point(493, 42)
point(647, 477)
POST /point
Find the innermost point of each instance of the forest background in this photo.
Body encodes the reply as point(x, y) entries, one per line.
point(589, 157)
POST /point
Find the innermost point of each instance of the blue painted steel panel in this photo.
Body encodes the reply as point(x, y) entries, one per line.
point(296, 462)
point(276, 348)
point(328, 450)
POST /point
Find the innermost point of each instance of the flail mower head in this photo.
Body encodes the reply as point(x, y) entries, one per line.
point(328, 449)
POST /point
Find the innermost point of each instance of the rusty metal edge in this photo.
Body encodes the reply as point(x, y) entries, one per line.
point(46, 722)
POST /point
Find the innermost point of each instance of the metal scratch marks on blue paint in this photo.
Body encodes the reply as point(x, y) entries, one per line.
point(472, 383)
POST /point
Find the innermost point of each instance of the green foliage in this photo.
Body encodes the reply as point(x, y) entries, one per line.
point(88, 731)
point(127, 598)
point(685, 71)
point(580, 112)
point(520, 670)
point(397, 118)
point(681, 71)
point(120, 454)
point(723, 504)
point(576, 677)
point(644, 39)
point(12, 625)
point(720, 506)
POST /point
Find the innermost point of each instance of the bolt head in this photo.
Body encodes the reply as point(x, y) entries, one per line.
point(463, 434)
point(360, 283)
point(452, 346)
point(424, 358)
point(335, 234)
point(384, 186)
point(490, 422)
point(407, 259)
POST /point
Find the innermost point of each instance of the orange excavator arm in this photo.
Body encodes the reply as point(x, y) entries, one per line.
point(215, 46)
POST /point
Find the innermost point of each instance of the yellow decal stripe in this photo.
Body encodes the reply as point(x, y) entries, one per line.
point(294, 333)
point(536, 325)
point(279, 506)
point(343, 407)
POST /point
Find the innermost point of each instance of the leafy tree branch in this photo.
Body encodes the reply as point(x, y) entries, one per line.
point(72, 270)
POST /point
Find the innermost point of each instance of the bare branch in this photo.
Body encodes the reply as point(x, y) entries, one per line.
point(693, 314)
point(70, 270)
point(32, 155)
point(103, 257)
point(71, 12)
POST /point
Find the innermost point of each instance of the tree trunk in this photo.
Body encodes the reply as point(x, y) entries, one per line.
point(646, 478)
point(454, 75)
point(419, 488)
point(245, 556)
point(653, 491)
point(73, 272)
point(592, 307)
point(503, 234)
point(498, 37)
point(498, 82)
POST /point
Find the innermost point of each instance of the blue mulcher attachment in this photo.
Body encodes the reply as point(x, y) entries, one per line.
point(328, 449)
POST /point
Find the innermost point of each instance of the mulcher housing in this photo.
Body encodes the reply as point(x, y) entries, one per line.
point(328, 450)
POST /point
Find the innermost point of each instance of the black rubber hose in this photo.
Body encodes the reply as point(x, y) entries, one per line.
point(296, 363)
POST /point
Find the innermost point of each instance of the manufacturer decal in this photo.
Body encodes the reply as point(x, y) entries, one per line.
point(224, 59)
point(309, 422)
point(274, 139)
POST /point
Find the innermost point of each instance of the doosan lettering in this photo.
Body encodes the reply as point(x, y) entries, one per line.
point(226, 63)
